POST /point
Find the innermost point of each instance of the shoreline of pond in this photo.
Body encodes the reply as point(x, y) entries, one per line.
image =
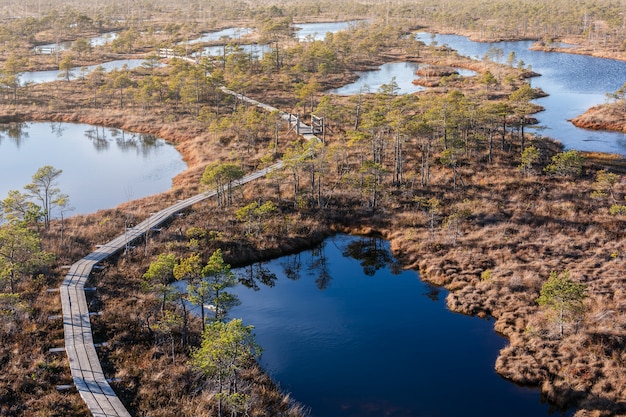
point(438, 272)
point(267, 309)
point(578, 45)
point(600, 117)
point(430, 267)
point(590, 115)
point(603, 117)
point(592, 118)
point(135, 165)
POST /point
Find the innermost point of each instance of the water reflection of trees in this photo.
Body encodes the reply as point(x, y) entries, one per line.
point(16, 132)
point(98, 137)
point(57, 128)
point(143, 144)
point(292, 264)
point(256, 274)
point(432, 292)
point(318, 267)
point(373, 254)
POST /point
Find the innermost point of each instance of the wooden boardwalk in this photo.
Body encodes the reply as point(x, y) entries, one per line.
point(85, 366)
point(303, 129)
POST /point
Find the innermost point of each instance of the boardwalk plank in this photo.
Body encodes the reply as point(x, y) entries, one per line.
point(83, 359)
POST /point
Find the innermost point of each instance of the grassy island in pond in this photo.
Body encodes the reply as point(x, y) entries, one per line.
point(609, 116)
point(450, 176)
point(603, 117)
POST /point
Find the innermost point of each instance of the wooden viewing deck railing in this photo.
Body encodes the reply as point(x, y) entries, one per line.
point(85, 366)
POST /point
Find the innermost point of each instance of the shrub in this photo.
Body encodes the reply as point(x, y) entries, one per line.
point(566, 164)
point(563, 297)
point(486, 275)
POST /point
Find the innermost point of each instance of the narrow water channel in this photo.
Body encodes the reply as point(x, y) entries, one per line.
point(573, 82)
point(350, 334)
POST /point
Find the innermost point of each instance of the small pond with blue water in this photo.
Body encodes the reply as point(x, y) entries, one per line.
point(573, 83)
point(38, 77)
point(102, 167)
point(348, 333)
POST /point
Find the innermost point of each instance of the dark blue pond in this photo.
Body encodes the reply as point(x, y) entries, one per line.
point(349, 334)
point(574, 83)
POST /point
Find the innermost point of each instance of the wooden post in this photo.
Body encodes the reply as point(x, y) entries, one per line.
point(317, 126)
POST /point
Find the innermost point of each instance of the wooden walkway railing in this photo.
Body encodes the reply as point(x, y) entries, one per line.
point(303, 129)
point(85, 366)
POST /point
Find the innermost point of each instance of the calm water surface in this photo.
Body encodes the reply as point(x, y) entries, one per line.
point(318, 31)
point(102, 167)
point(97, 41)
point(304, 31)
point(350, 335)
point(37, 77)
point(574, 83)
point(225, 34)
point(403, 73)
point(371, 81)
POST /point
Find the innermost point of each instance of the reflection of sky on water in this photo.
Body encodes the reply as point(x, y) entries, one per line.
point(97, 41)
point(574, 83)
point(371, 81)
point(318, 31)
point(102, 167)
point(37, 77)
point(230, 33)
point(403, 72)
point(348, 333)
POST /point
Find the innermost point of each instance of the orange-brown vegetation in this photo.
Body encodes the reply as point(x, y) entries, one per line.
point(517, 228)
point(576, 44)
point(603, 117)
point(581, 46)
point(430, 76)
point(521, 230)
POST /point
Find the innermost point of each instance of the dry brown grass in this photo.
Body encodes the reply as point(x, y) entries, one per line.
point(603, 117)
point(525, 229)
point(520, 229)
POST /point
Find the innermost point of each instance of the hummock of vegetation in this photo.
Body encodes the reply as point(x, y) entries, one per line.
point(448, 175)
point(603, 117)
point(608, 116)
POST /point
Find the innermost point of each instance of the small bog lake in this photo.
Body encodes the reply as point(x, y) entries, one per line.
point(350, 334)
point(51, 48)
point(573, 83)
point(102, 167)
point(221, 35)
point(403, 73)
point(37, 77)
point(318, 31)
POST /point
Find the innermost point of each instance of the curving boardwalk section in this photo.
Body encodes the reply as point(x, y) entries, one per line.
point(85, 366)
point(304, 130)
